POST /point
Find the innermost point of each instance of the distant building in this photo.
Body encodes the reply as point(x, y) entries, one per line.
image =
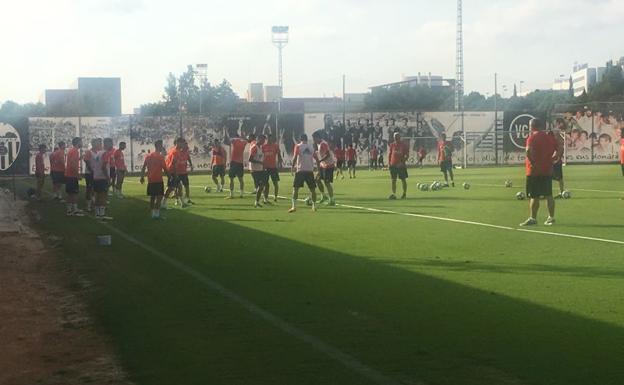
point(583, 78)
point(272, 93)
point(86, 97)
point(429, 80)
point(61, 102)
point(255, 93)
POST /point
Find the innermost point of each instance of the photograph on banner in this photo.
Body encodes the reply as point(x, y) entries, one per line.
point(357, 128)
point(385, 124)
point(14, 147)
point(50, 131)
point(145, 130)
point(290, 128)
point(200, 133)
point(593, 133)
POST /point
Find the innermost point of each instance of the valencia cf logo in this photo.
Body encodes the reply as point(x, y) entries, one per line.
point(10, 145)
point(519, 130)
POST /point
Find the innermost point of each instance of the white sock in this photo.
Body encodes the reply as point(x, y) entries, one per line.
point(69, 208)
point(294, 203)
point(75, 206)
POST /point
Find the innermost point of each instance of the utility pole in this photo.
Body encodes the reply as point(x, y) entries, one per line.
point(496, 117)
point(344, 101)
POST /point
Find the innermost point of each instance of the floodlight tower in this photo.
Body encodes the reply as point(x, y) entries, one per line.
point(279, 37)
point(459, 60)
point(459, 76)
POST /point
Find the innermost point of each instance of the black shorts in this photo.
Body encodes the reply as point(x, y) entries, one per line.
point(260, 178)
point(172, 181)
point(183, 178)
point(113, 173)
point(351, 163)
point(274, 174)
point(327, 174)
point(71, 185)
point(539, 186)
point(100, 185)
point(89, 180)
point(558, 171)
point(306, 177)
point(446, 166)
point(340, 164)
point(58, 177)
point(236, 170)
point(398, 172)
point(218, 170)
point(155, 189)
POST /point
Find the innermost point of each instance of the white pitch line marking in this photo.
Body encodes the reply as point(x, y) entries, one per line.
point(345, 359)
point(460, 221)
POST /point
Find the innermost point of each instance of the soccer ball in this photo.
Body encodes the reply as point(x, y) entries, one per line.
point(520, 196)
point(566, 195)
point(419, 186)
point(435, 186)
point(308, 201)
point(466, 186)
point(424, 187)
point(208, 189)
point(508, 183)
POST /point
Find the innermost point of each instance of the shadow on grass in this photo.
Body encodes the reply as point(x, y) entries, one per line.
point(413, 327)
point(467, 265)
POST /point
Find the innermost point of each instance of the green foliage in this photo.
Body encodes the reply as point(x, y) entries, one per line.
point(11, 110)
point(611, 88)
point(186, 94)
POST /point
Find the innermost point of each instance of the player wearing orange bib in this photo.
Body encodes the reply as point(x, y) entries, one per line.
point(237, 153)
point(155, 166)
point(72, 170)
point(397, 156)
point(182, 164)
point(326, 166)
point(351, 160)
point(120, 169)
point(172, 178)
point(218, 161)
point(272, 164)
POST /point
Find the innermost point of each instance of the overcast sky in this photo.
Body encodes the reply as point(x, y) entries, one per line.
point(49, 43)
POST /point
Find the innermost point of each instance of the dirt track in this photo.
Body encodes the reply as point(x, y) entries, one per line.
point(46, 333)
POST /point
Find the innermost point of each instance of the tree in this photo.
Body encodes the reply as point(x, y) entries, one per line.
point(184, 92)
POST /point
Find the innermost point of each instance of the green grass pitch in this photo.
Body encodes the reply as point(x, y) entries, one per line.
point(414, 299)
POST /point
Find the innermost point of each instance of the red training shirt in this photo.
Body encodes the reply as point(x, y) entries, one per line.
point(543, 147)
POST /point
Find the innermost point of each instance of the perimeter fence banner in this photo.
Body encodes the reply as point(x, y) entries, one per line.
point(477, 138)
point(13, 147)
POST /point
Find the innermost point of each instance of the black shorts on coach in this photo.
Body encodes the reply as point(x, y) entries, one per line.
point(398, 172)
point(539, 186)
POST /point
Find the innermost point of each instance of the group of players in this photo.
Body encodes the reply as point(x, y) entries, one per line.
point(105, 169)
point(104, 173)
